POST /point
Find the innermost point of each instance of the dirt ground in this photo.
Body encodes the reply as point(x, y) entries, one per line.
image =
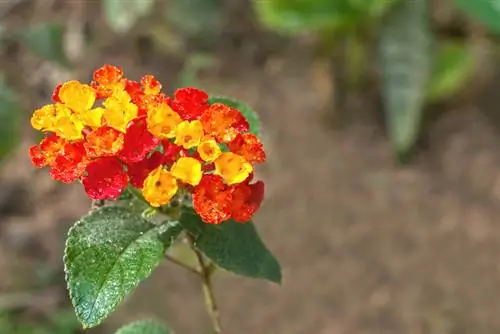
point(366, 246)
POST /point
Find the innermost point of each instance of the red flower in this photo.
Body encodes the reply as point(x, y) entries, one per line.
point(45, 154)
point(55, 94)
point(190, 103)
point(105, 179)
point(246, 200)
point(138, 171)
point(172, 151)
point(248, 146)
point(212, 200)
point(70, 163)
point(138, 142)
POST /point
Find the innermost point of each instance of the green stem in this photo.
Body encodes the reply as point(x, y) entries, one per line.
point(206, 271)
point(182, 264)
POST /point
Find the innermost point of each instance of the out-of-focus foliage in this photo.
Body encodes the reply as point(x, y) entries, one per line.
point(61, 322)
point(485, 11)
point(405, 64)
point(453, 65)
point(195, 17)
point(122, 16)
point(144, 327)
point(413, 72)
point(297, 16)
point(45, 41)
point(10, 117)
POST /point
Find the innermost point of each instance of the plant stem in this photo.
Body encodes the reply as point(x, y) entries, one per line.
point(206, 271)
point(182, 264)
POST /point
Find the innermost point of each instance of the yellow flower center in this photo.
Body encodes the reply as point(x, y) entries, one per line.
point(189, 134)
point(188, 170)
point(159, 187)
point(209, 150)
point(233, 168)
point(162, 121)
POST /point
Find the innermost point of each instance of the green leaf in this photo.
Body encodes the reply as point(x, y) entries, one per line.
point(405, 58)
point(195, 17)
point(144, 327)
point(454, 64)
point(233, 246)
point(121, 17)
point(485, 11)
point(108, 253)
point(299, 16)
point(46, 41)
point(10, 118)
point(249, 113)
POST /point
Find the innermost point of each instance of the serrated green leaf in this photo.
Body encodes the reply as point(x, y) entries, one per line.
point(144, 327)
point(46, 41)
point(454, 64)
point(485, 11)
point(10, 118)
point(249, 113)
point(405, 56)
point(122, 17)
point(234, 247)
point(299, 16)
point(108, 253)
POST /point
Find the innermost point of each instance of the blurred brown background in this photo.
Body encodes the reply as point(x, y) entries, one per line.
point(366, 245)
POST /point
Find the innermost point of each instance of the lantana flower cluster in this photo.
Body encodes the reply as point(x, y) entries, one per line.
point(116, 132)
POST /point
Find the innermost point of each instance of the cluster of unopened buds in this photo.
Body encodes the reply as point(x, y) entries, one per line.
point(116, 132)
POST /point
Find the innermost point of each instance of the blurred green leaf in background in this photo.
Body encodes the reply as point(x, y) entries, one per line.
point(485, 11)
point(10, 118)
point(46, 41)
point(405, 57)
point(144, 327)
point(122, 15)
point(454, 64)
point(299, 16)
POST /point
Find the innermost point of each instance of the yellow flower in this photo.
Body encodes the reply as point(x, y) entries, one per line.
point(44, 119)
point(162, 121)
point(233, 168)
point(159, 187)
point(92, 118)
point(188, 170)
point(119, 111)
point(58, 118)
point(189, 134)
point(69, 127)
point(209, 150)
point(77, 96)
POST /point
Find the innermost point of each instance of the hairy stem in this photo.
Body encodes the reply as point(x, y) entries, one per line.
point(206, 271)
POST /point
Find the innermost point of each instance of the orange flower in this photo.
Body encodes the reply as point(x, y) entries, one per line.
point(223, 122)
point(151, 85)
point(212, 200)
point(45, 154)
point(104, 141)
point(107, 79)
point(248, 146)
